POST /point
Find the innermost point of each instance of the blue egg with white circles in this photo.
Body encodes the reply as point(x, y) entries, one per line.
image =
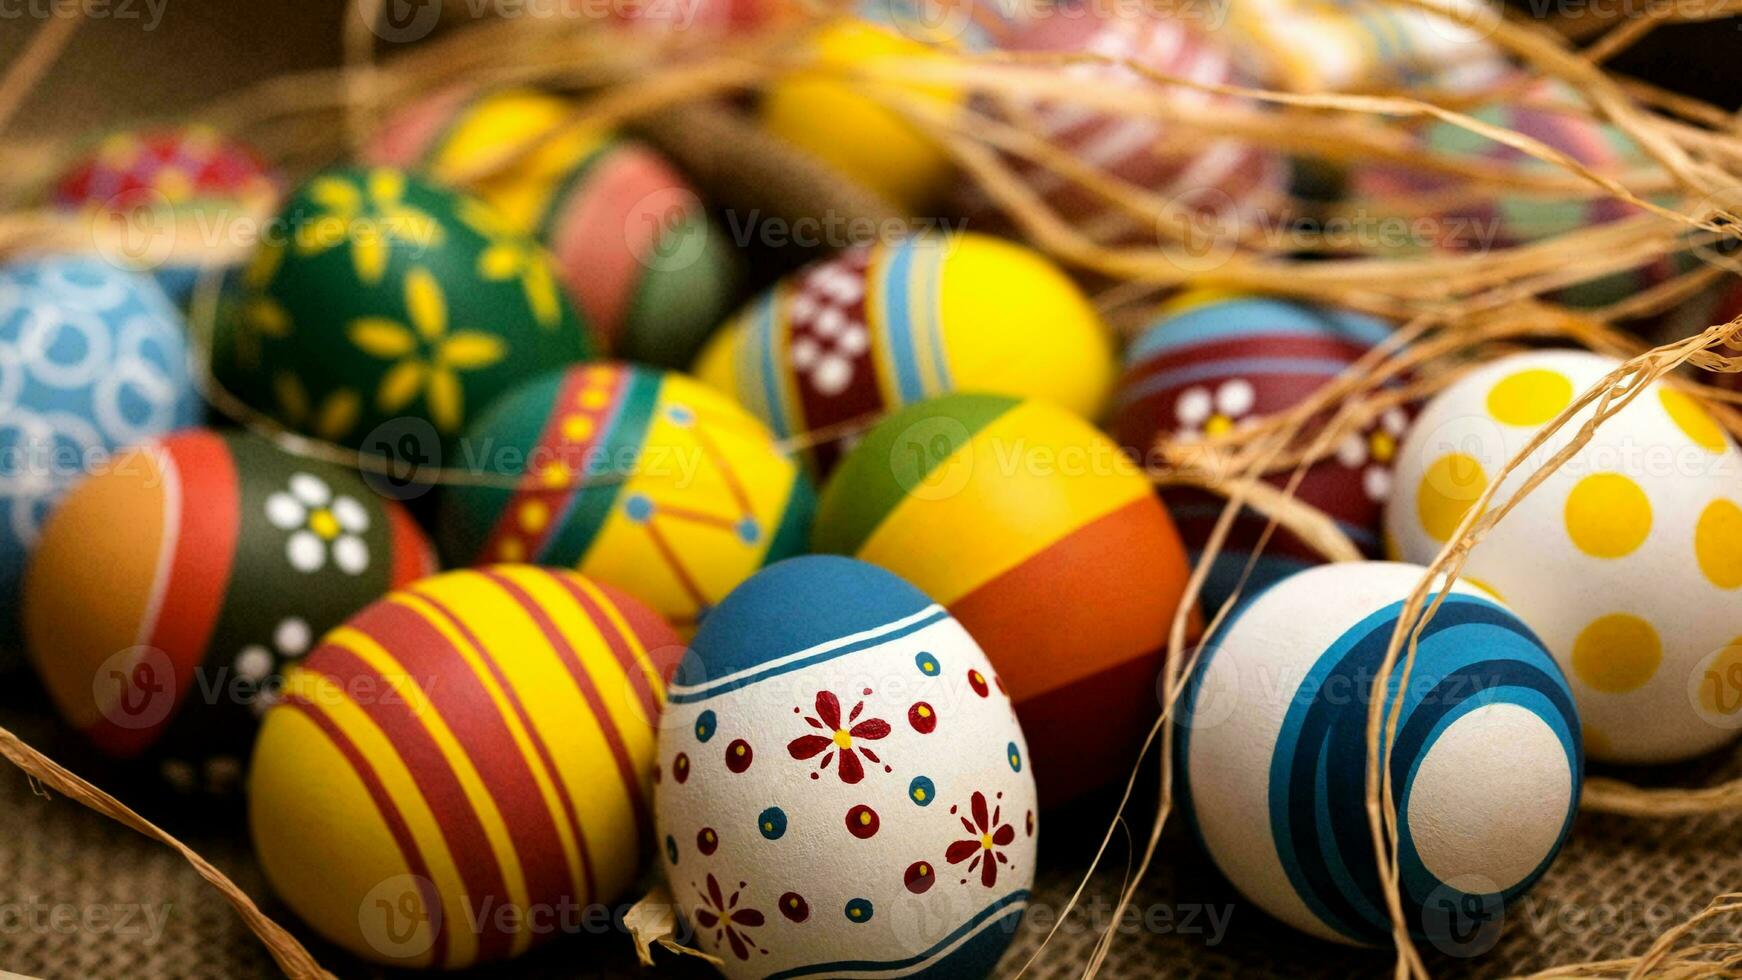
point(1485, 766)
point(93, 359)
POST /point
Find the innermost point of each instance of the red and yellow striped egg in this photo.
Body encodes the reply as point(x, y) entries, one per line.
point(1040, 535)
point(463, 767)
point(171, 587)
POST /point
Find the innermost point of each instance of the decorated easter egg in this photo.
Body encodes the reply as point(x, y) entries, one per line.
point(1194, 178)
point(92, 359)
point(189, 188)
point(638, 254)
point(1043, 539)
point(882, 326)
point(842, 787)
point(1480, 222)
point(705, 18)
point(839, 112)
point(463, 768)
point(647, 480)
point(1365, 45)
point(1626, 560)
point(1485, 767)
point(172, 587)
point(386, 298)
point(1213, 362)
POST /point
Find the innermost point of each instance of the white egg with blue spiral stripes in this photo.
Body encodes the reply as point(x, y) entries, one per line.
point(92, 359)
point(1485, 772)
point(843, 788)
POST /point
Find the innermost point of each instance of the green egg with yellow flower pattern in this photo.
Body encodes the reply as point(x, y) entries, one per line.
point(376, 297)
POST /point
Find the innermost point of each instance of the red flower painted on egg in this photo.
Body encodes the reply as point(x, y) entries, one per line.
point(989, 833)
point(841, 740)
point(728, 921)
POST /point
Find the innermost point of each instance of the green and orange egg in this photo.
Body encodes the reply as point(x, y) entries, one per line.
point(171, 588)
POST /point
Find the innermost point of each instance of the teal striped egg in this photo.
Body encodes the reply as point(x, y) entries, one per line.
point(1485, 766)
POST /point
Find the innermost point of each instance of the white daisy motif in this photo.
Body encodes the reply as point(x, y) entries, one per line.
point(1201, 412)
point(257, 664)
point(1375, 450)
point(320, 524)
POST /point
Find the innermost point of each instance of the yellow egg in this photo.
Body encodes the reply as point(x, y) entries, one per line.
point(455, 772)
point(882, 326)
point(844, 121)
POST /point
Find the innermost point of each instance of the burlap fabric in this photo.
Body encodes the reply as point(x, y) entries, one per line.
point(82, 897)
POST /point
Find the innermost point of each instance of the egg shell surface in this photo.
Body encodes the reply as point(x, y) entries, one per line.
point(843, 787)
point(638, 253)
point(182, 173)
point(1230, 180)
point(478, 741)
point(170, 589)
point(1486, 765)
point(647, 480)
point(829, 117)
point(1211, 363)
point(1627, 560)
point(92, 359)
point(1042, 538)
point(883, 326)
point(1551, 114)
point(388, 299)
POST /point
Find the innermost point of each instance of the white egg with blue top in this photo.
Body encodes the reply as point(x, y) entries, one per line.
point(92, 359)
point(842, 786)
point(1486, 766)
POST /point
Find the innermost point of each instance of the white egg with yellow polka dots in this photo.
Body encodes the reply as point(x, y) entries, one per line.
point(1626, 561)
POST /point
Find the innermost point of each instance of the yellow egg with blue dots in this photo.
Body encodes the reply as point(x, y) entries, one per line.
point(1626, 560)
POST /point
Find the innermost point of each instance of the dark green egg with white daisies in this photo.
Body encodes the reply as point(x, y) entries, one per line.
point(377, 298)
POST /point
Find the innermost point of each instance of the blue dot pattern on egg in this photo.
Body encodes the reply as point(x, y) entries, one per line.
point(92, 359)
point(1483, 692)
point(872, 761)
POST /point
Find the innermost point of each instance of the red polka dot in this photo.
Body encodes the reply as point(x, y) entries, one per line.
point(862, 822)
point(923, 719)
point(707, 841)
point(680, 768)
point(794, 907)
point(739, 756)
point(977, 681)
point(919, 877)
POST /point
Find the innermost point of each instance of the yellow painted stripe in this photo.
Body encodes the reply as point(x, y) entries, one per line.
point(617, 823)
point(561, 716)
point(483, 803)
point(877, 324)
point(332, 701)
point(523, 739)
point(1016, 458)
point(649, 670)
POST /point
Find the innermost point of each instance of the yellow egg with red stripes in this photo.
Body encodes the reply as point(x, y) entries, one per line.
point(464, 766)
